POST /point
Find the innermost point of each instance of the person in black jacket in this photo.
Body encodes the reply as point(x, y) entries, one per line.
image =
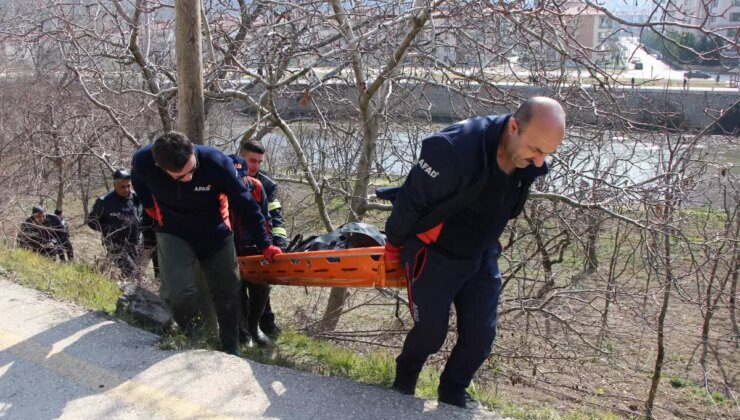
point(66, 243)
point(473, 176)
point(45, 234)
point(253, 153)
point(188, 189)
point(253, 297)
point(117, 216)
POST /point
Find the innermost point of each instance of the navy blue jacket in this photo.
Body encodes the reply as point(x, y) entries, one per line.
point(451, 161)
point(279, 233)
point(242, 239)
point(197, 211)
point(50, 238)
point(268, 189)
point(117, 218)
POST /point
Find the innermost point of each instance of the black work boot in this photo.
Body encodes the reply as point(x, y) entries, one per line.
point(231, 349)
point(227, 311)
point(257, 298)
point(184, 312)
point(267, 325)
point(196, 332)
point(405, 381)
point(245, 338)
point(457, 397)
point(258, 337)
point(267, 321)
point(186, 317)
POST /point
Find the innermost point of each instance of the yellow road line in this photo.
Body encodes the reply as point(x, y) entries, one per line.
point(97, 378)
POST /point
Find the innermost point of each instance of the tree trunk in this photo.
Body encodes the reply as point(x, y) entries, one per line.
point(191, 119)
point(338, 295)
point(667, 265)
point(370, 114)
point(592, 258)
point(84, 189)
point(59, 162)
point(610, 292)
point(60, 188)
point(712, 304)
point(733, 287)
point(733, 306)
point(592, 233)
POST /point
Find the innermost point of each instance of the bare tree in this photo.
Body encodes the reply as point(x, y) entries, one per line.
point(634, 226)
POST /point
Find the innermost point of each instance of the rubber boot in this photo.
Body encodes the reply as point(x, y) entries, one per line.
point(227, 312)
point(405, 381)
point(453, 395)
point(267, 322)
point(245, 338)
point(257, 299)
point(185, 314)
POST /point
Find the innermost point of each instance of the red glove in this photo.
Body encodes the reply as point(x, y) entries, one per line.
point(392, 253)
point(270, 252)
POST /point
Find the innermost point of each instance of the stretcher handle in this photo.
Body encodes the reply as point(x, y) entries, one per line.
point(381, 272)
point(368, 251)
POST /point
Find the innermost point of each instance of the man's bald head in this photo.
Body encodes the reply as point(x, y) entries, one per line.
point(541, 108)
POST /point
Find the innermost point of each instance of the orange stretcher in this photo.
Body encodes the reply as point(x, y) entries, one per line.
point(358, 267)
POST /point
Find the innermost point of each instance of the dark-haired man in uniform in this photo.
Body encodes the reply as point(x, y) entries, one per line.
point(253, 297)
point(253, 153)
point(188, 189)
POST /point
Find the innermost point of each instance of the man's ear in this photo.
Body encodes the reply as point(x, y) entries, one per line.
point(513, 125)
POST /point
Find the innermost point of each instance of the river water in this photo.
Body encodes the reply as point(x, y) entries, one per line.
point(620, 160)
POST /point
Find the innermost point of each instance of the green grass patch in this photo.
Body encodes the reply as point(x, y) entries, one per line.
point(511, 410)
point(70, 281)
point(719, 397)
point(582, 414)
point(302, 352)
point(678, 382)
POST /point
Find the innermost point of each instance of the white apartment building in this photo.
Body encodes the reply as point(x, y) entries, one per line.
point(719, 16)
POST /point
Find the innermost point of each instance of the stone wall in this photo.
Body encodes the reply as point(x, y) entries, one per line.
point(678, 109)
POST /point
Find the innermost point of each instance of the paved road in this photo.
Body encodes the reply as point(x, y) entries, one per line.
point(651, 66)
point(57, 360)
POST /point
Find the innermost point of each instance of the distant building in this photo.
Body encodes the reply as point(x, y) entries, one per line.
point(635, 15)
point(721, 17)
point(592, 29)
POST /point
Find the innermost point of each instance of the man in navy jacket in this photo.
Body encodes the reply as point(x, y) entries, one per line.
point(454, 259)
point(45, 234)
point(253, 153)
point(253, 297)
point(188, 189)
point(117, 216)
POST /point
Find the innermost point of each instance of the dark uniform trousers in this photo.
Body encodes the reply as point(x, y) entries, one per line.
point(436, 282)
point(179, 268)
point(126, 257)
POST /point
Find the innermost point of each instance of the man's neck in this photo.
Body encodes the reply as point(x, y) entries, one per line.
point(502, 158)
